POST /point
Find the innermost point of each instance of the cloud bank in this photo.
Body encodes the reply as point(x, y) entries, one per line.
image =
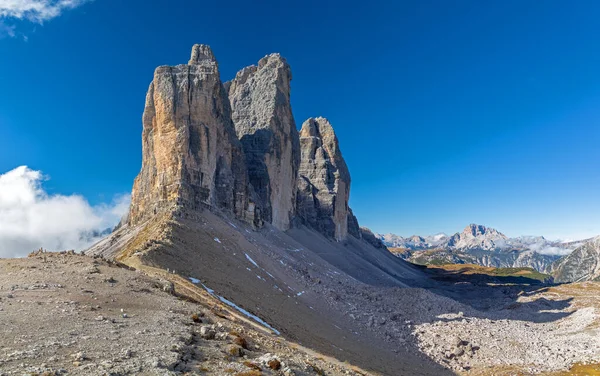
point(30, 218)
point(36, 11)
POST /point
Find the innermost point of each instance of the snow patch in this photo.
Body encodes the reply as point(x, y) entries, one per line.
point(250, 259)
point(240, 309)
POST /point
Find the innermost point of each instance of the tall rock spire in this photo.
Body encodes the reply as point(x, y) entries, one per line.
point(324, 181)
point(262, 114)
point(192, 158)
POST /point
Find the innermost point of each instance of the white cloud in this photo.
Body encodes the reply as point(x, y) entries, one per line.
point(30, 218)
point(37, 11)
point(555, 251)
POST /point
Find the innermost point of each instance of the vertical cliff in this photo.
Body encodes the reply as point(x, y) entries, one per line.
point(324, 181)
point(262, 114)
point(192, 158)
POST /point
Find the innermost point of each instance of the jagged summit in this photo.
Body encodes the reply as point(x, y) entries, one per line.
point(476, 230)
point(276, 59)
point(230, 194)
point(201, 53)
point(240, 151)
point(191, 157)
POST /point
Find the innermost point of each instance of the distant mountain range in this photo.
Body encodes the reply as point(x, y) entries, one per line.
point(481, 245)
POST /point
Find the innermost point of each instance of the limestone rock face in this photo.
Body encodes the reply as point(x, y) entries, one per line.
point(368, 236)
point(324, 181)
point(262, 114)
point(191, 156)
point(353, 227)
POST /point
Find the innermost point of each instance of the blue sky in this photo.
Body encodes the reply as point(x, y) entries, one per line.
point(448, 112)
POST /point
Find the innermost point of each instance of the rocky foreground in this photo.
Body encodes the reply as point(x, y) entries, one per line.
point(76, 315)
point(71, 314)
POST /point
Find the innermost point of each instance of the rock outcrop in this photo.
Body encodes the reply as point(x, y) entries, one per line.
point(368, 236)
point(583, 264)
point(353, 227)
point(262, 114)
point(324, 180)
point(191, 156)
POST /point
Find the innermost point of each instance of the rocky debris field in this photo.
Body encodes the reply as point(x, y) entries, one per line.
point(480, 329)
point(68, 314)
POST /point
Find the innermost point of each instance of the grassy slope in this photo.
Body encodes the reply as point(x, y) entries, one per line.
point(471, 269)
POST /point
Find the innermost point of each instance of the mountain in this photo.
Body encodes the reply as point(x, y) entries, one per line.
point(233, 198)
point(413, 242)
point(477, 237)
point(480, 245)
point(583, 264)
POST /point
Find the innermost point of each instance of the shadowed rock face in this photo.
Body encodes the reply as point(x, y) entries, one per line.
point(353, 227)
point(262, 114)
point(191, 155)
point(324, 181)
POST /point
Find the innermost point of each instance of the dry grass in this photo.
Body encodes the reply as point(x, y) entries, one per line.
point(274, 364)
point(235, 350)
point(254, 366)
point(196, 318)
point(249, 373)
point(580, 370)
point(316, 369)
point(241, 341)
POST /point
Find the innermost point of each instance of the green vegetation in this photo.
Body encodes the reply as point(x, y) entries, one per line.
point(502, 275)
point(520, 272)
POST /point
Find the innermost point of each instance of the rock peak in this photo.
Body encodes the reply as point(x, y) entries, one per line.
point(274, 58)
point(200, 54)
point(318, 127)
point(324, 180)
point(262, 114)
point(475, 229)
point(191, 157)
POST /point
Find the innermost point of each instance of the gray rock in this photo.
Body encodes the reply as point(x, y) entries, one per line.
point(457, 341)
point(324, 180)
point(368, 236)
point(262, 114)
point(207, 332)
point(353, 227)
